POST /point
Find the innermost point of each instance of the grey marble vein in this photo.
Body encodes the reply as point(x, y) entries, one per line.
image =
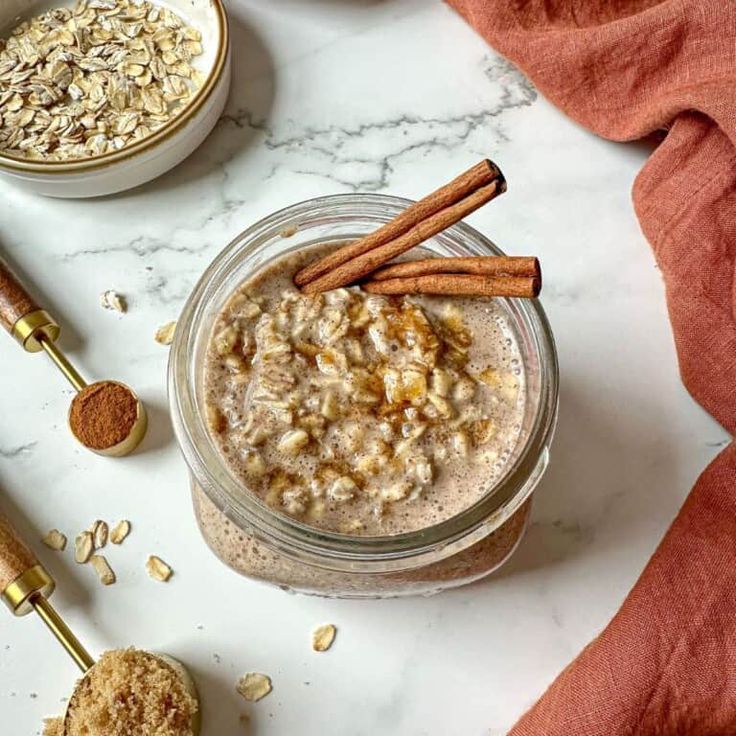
point(8, 453)
point(719, 443)
point(141, 246)
point(161, 290)
point(516, 89)
point(336, 152)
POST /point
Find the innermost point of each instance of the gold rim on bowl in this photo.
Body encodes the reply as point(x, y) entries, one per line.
point(164, 133)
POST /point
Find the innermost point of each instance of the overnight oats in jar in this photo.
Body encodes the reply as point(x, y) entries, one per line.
point(353, 444)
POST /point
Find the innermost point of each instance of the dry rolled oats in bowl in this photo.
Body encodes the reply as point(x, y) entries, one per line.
point(97, 96)
point(349, 444)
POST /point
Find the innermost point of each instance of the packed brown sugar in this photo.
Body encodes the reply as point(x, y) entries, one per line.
point(129, 693)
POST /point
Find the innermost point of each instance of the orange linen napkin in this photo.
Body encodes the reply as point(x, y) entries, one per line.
point(666, 664)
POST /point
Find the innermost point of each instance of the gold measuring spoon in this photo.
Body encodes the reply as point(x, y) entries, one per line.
point(37, 331)
point(25, 586)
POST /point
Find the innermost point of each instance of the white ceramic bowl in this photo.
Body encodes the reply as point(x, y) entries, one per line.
point(146, 159)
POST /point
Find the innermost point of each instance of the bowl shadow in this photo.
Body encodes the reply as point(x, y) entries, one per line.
point(245, 117)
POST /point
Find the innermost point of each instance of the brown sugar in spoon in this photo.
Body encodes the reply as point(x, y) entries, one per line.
point(106, 417)
point(25, 587)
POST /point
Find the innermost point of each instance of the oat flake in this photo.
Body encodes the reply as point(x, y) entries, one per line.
point(165, 333)
point(84, 546)
point(99, 532)
point(55, 540)
point(254, 686)
point(120, 531)
point(113, 301)
point(158, 569)
point(322, 637)
point(103, 569)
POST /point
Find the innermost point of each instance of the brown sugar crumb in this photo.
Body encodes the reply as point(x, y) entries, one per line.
point(53, 727)
point(103, 414)
point(131, 693)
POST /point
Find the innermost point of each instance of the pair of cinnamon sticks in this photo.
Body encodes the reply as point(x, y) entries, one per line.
point(364, 260)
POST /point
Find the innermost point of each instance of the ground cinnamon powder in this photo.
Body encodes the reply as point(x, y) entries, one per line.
point(103, 414)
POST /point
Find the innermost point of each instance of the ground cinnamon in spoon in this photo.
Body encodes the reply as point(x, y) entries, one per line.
point(103, 414)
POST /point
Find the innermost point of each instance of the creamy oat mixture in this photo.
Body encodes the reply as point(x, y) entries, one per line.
point(359, 413)
point(248, 556)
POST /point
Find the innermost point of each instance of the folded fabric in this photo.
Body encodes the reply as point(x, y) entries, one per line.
point(666, 664)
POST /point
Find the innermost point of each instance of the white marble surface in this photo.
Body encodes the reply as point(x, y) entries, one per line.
point(331, 96)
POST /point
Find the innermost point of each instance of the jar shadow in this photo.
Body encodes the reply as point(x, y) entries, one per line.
point(602, 486)
point(160, 433)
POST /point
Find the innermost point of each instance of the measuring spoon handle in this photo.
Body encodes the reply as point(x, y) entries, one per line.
point(21, 574)
point(15, 301)
point(20, 315)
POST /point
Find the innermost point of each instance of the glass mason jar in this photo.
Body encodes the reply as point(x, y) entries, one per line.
point(264, 544)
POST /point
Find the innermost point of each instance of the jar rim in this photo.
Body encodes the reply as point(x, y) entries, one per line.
point(290, 535)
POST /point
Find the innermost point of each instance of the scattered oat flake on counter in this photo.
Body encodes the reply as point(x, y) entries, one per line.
point(120, 531)
point(165, 333)
point(254, 686)
point(103, 569)
point(158, 569)
point(322, 637)
point(99, 532)
point(113, 301)
point(55, 540)
point(84, 546)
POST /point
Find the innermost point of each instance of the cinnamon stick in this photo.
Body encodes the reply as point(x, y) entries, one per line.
point(525, 287)
point(480, 175)
point(361, 265)
point(480, 265)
